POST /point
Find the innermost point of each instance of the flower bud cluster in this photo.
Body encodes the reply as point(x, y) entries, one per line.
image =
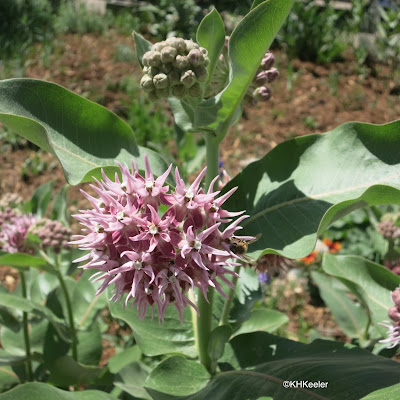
point(154, 260)
point(258, 89)
point(174, 67)
point(388, 229)
point(15, 229)
point(394, 315)
point(10, 200)
point(52, 234)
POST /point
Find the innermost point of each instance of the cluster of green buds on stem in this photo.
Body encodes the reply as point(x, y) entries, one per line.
point(175, 67)
point(257, 90)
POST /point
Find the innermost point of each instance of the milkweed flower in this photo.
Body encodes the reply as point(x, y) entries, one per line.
point(393, 336)
point(155, 259)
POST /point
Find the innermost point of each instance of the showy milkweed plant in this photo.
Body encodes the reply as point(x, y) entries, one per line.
point(177, 260)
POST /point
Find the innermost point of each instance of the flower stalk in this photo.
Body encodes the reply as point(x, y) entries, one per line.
point(204, 320)
point(228, 302)
point(28, 364)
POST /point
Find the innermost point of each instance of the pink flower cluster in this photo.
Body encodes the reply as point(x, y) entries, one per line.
point(394, 314)
point(155, 259)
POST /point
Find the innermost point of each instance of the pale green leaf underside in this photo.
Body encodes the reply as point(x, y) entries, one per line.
point(83, 135)
point(304, 184)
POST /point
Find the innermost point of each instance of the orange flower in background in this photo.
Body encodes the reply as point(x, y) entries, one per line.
point(333, 247)
point(311, 258)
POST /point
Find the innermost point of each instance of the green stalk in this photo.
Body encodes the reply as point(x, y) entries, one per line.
point(205, 308)
point(28, 364)
point(228, 302)
point(70, 315)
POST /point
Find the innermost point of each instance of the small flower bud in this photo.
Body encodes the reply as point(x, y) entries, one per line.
point(162, 93)
point(190, 45)
point(394, 314)
point(166, 68)
point(181, 62)
point(147, 83)
point(204, 51)
point(155, 59)
point(261, 78)
point(168, 54)
point(201, 73)
point(262, 93)
point(145, 59)
point(188, 78)
point(396, 297)
point(272, 75)
point(174, 77)
point(160, 81)
point(158, 46)
point(195, 90)
point(179, 91)
point(153, 71)
point(268, 61)
point(178, 43)
point(206, 61)
point(195, 57)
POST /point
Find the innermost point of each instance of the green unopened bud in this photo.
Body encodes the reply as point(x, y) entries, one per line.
point(206, 61)
point(195, 90)
point(204, 51)
point(262, 93)
point(147, 83)
point(181, 62)
point(168, 54)
point(145, 69)
point(179, 91)
point(162, 93)
point(190, 45)
point(201, 73)
point(146, 58)
point(160, 81)
point(166, 68)
point(174, 77)
point(195, 57)
point(178, 43)
point(155, 59)
point(188, 78)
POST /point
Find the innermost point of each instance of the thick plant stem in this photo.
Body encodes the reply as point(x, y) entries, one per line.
point(228, 302)
point(28, 364)
point(205, 308)
point(74, 343)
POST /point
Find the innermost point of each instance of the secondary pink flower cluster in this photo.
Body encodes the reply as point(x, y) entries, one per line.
point(394, 315)
point(155, 259)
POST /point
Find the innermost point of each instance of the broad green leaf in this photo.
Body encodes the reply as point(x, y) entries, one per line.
point(83, 135)
point(19, 303)
point(371, 282)
point(8, 378)
point(256, 3)
point(350, 316)
point(90, 346)
point(66, 371)
point(388, 393)
point(124, 358)
point(43, 391)
point(131, 379)
point(22, 262)
point(247, 45)
point(59, 209)
point(261, 362)
point(262, 319)
point(304, 184)
point(14, 341)
point(211, 36)
point(177, 376)
point(142, 46)
point(41, 198)
point(156, 338)
point(218, 337)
